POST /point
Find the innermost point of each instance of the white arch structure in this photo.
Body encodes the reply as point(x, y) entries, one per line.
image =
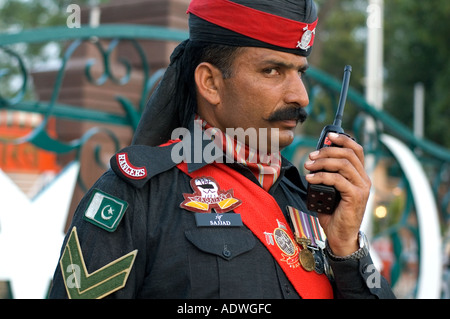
point(430, 263)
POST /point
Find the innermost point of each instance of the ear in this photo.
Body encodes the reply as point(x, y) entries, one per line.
point(208, 79)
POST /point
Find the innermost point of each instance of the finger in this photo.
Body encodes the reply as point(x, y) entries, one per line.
point(346, 142)
point(338, 153)
point(346, 186)
point(331, 179)
point(341, 166)
point(353, 198)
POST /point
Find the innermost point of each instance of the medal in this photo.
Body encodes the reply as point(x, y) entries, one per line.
point(305, 256)
point(308, 234)
point(306, 259)
point(319, 266)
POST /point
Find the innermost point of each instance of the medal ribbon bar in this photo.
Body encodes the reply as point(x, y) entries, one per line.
point(308, 227)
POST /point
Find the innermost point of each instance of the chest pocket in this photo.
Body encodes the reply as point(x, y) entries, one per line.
point(216, 261)
point(226, 243)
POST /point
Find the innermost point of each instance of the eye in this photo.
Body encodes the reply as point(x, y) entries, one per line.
point(271, 71)
point(302, 70)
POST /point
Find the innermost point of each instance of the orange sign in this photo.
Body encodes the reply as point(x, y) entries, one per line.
point(25, 157)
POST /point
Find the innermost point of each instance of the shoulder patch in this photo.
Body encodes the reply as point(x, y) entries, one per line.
point(105, 210)
point(137, 164)
point(128, 169)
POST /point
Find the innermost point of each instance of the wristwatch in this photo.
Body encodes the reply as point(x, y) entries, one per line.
point(363, 250)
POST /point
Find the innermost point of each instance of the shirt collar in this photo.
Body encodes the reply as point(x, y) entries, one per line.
point(198, 137)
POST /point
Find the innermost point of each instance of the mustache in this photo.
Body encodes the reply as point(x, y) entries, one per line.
point(289, 113)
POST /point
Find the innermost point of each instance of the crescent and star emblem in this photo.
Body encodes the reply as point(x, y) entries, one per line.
point(109, 210)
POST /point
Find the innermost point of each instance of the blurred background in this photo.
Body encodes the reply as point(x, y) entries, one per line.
point(76, 75)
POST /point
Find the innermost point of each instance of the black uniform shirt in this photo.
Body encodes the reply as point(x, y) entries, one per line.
point(177, 259)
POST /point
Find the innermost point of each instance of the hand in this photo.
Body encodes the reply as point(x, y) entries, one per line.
point(345, 171)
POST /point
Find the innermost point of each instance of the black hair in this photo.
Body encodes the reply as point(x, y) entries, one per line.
point(221, 56)
point(196, 52)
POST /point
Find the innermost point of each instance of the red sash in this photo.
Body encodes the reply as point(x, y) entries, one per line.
point(262, 215)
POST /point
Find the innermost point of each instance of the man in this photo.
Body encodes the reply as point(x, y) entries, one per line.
point(217, 215)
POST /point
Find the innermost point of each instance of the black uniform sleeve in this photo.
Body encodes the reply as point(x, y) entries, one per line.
point(359, 279)
point(100, 247)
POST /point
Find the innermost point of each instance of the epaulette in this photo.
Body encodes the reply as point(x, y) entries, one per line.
point(137, 164)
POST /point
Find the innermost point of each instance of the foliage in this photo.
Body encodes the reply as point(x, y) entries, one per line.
point(417, 50)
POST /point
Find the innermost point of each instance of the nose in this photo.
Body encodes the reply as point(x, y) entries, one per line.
point(296, 92)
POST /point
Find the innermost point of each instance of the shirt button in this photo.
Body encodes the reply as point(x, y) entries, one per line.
point(287, 289)
point(226, 253)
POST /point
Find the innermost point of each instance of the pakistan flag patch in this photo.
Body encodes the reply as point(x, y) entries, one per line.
point(105, 210)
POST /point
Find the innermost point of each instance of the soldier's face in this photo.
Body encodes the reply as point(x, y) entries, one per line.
point(265, 90)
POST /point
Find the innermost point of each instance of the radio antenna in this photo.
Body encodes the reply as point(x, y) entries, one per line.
point(343, 97)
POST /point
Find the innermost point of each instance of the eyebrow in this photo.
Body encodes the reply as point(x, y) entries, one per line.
point(287, 65)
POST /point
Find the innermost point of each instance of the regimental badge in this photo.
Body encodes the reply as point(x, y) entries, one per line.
point(207, 196)
point(287, 246)
point(307, 36)
point(289, 249)
point(105, 210)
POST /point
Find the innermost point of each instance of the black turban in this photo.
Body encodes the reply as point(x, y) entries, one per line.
point(283, 25)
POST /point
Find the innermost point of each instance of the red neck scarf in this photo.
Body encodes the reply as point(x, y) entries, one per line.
point(265, 168)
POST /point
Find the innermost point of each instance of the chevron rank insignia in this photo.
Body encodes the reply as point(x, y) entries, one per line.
point(105, 210)
point(83, 285)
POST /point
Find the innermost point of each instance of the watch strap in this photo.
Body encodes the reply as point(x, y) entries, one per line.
point(363, 251)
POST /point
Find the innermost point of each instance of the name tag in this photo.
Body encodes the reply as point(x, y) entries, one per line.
point(218, 220)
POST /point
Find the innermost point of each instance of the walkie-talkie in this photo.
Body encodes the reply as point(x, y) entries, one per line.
point(323, 198)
